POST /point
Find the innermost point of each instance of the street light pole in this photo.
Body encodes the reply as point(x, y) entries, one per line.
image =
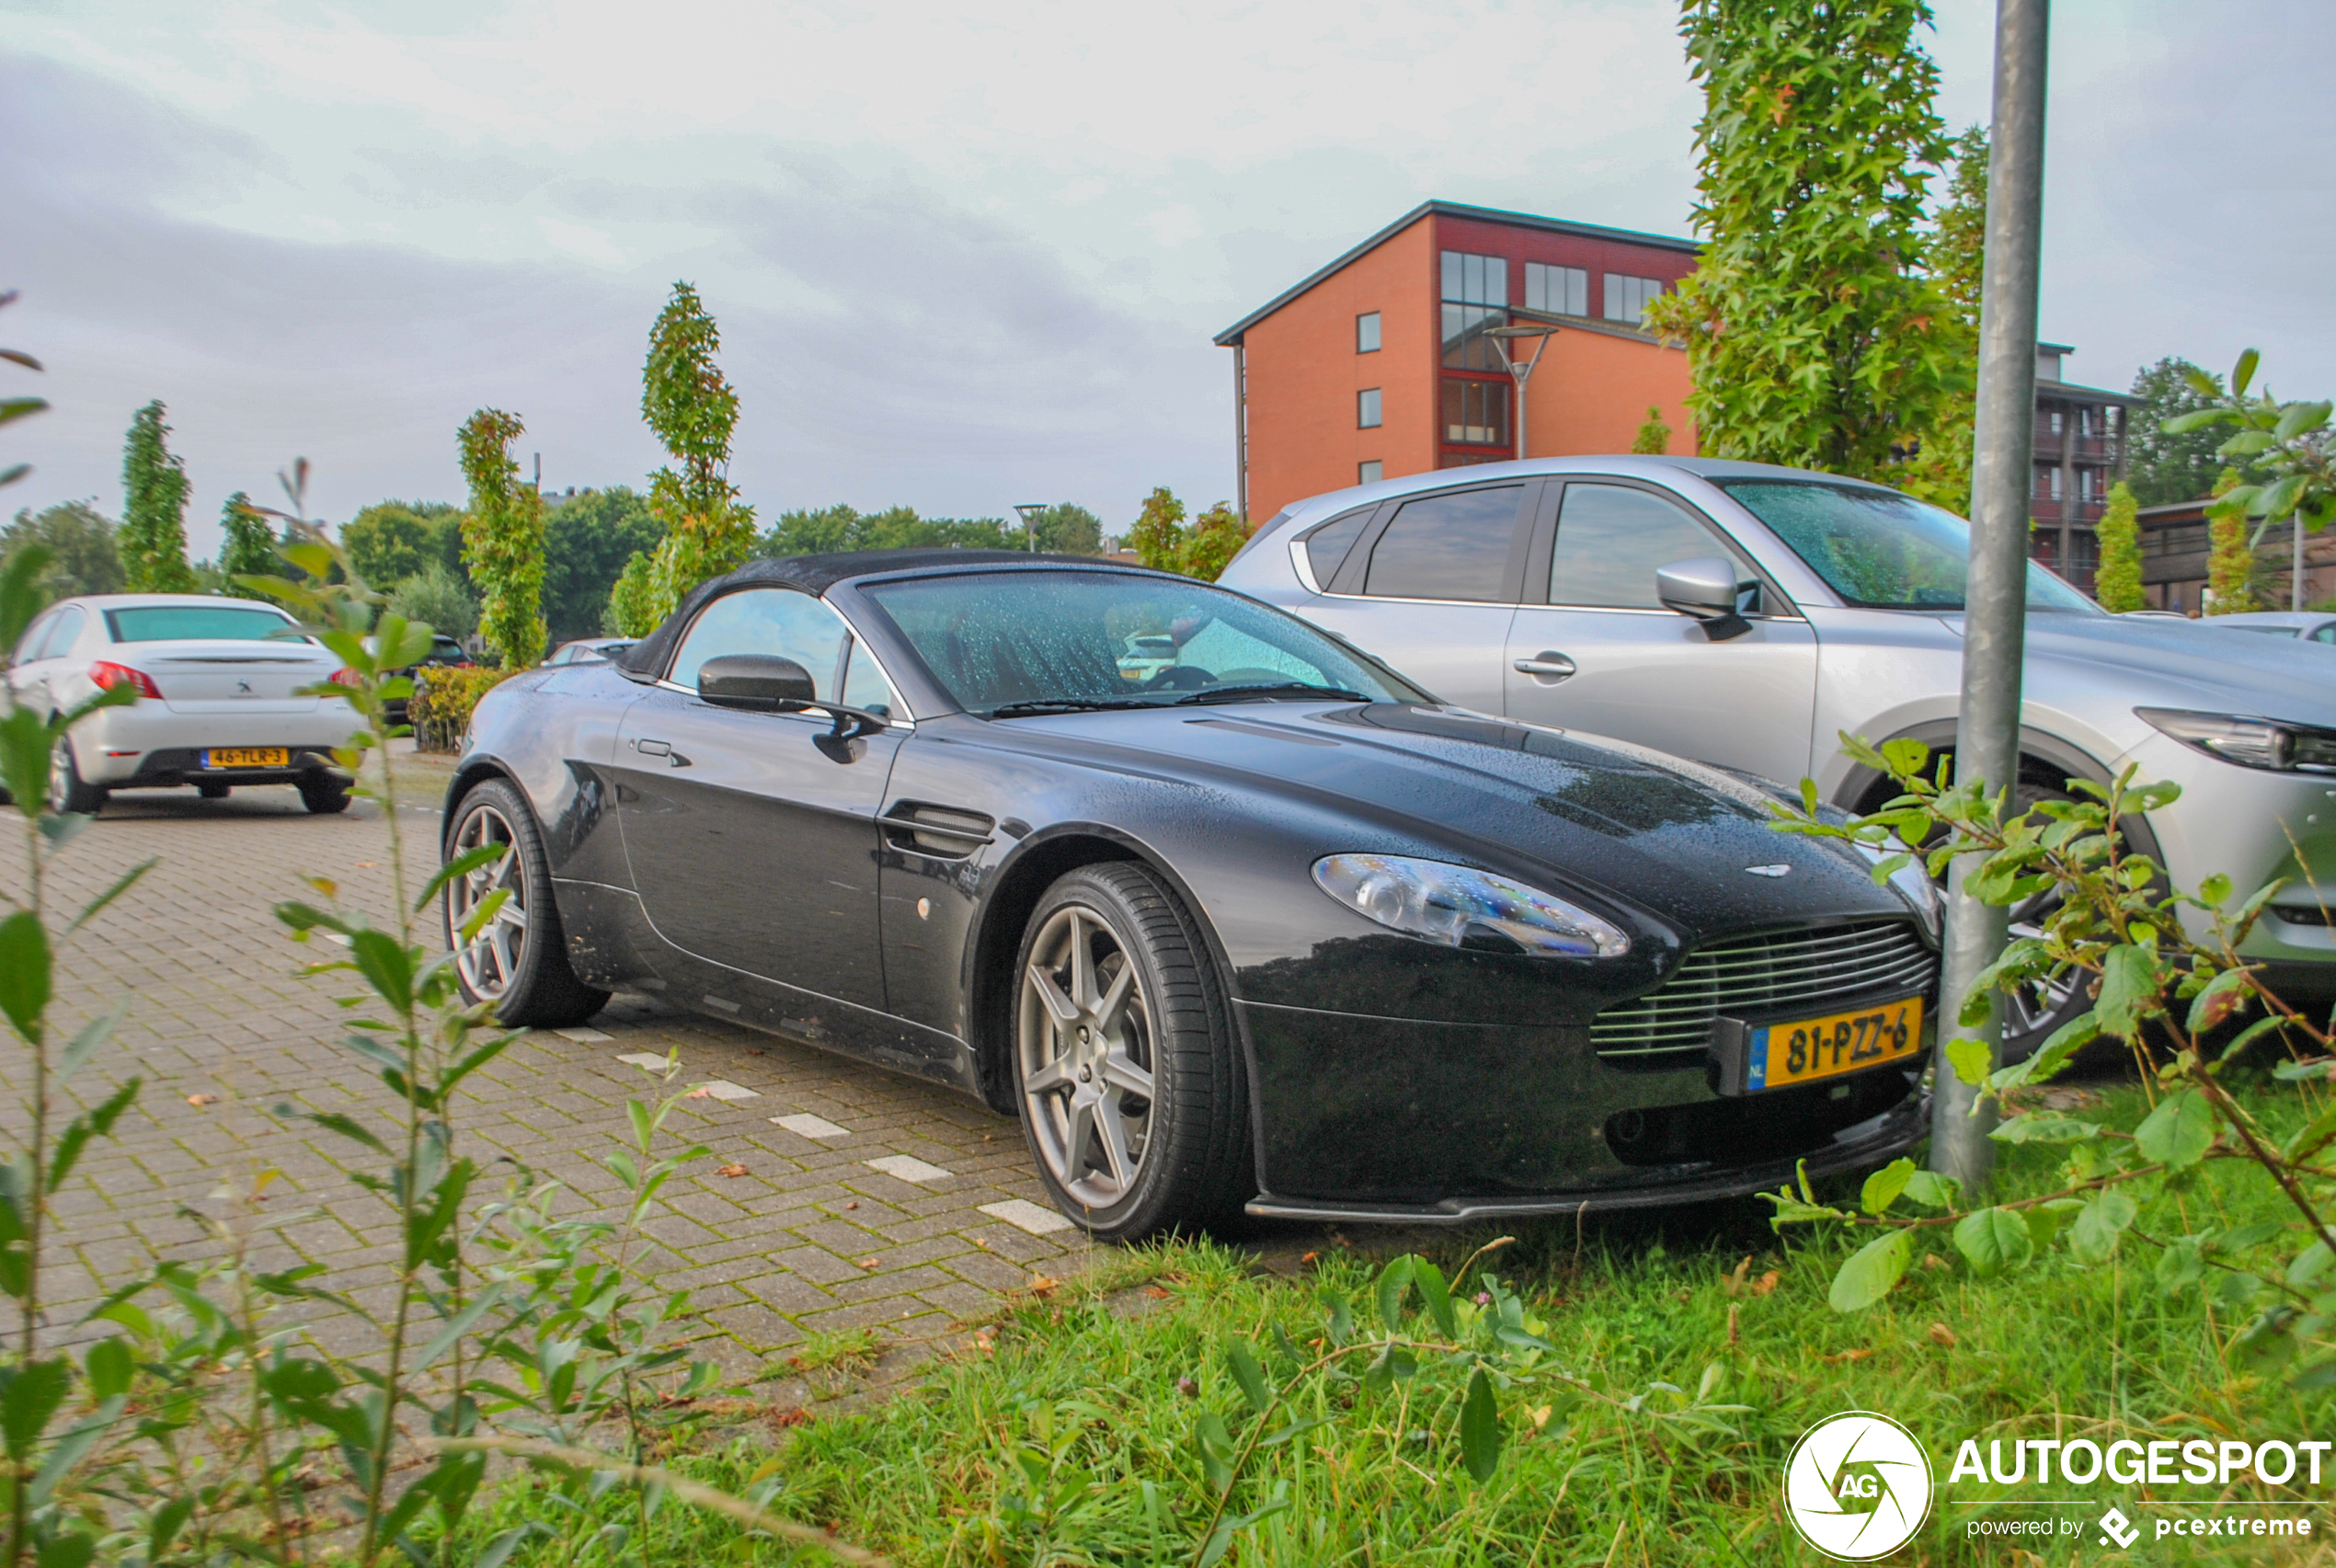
point(1501, 337)
point(1995, 600)
point(1031, 511)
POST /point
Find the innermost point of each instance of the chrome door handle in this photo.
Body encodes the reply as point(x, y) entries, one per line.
point(1548, 664)
point(661, 748)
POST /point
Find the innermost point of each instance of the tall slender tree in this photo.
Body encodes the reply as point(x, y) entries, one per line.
point(1938, 462)
point(2231, 560)
point(693, 411)
point(2117, 583)
point(503, 539)
point(247, 547)
point(1815, 335)
point(153, 536)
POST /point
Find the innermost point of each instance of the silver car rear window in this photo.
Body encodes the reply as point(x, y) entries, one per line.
point(171, 622)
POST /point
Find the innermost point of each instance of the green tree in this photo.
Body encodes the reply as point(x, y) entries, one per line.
point(2230, 563)
point(83, 557)
point(1654, 436)
point(824, 532)
point(841, 526)
point(1217, 535)
point(503, 539)
point(387, 542)
point(1069, 530)
point(2290, 444)
point(2117, 583)
point(153, 537)
point(2166, 466)
point(1814, 334)
point(587, 538)
point(693, 412)
point(1158, 534)
point(247, 546)
point(437, 597)
point(1938, 467)
point(632, 602)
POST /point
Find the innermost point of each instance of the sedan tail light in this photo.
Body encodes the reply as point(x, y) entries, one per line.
point(110, 675)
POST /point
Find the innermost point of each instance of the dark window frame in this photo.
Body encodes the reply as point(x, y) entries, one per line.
point(1347, 583)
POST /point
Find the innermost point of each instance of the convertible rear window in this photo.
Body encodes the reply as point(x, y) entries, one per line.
point(170, 623)
point(1880, 550)
point(1016, 639)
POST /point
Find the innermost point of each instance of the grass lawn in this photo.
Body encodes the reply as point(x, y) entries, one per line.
point(1690, 1355)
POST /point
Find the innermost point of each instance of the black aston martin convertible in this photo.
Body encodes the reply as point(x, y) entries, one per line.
point(1225, 911)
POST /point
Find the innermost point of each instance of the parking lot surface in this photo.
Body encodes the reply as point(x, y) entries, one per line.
point(854, 1197)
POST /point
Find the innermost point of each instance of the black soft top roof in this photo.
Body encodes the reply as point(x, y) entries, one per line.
point(816, 574)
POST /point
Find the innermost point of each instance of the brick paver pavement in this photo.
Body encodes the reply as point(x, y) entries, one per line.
point(810, 1238)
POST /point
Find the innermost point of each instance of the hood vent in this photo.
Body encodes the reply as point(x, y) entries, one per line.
point(942, 833)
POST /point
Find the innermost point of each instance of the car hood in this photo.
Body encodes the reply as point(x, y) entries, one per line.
point(2192, 664)
point(1672, 839)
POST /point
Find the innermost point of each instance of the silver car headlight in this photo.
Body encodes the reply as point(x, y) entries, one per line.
point(2251, 742)
point(1912, 882)
point(1459, 907)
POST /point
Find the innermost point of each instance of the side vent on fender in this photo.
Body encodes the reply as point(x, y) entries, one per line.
point(940, 831)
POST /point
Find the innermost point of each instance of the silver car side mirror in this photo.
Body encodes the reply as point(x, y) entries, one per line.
point(1704, 589)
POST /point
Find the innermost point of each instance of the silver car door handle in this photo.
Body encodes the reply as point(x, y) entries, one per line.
point(1549, 663)
point(661, 748)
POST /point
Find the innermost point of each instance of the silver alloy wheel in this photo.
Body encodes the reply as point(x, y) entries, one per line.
point(490, 962)
point(1084, 1036)
point(60, 776)
point(2030, 1006)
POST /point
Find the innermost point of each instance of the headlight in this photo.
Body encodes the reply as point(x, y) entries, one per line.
point(2249, 742)
point(1913, 883)
point(1461, 907)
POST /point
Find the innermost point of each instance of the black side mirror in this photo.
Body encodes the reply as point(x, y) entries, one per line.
point(1703, 590)
point(759, 682)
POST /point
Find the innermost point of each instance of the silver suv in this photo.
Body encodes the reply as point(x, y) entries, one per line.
point(1747, 615)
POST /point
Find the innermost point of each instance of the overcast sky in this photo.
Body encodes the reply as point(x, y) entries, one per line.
point(963, 254)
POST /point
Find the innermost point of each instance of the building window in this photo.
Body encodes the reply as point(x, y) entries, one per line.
point(1626, 297)
point(1475, 412)
point(1367, 409)
point(1559, 291)
point(2048, 484)
point(2052, 421)
point(2088, 485)
point(1367, 332)
point(1475, 297)
point(1369, 473)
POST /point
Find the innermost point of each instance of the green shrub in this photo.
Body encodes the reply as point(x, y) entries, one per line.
point(439, 709)
point(439, 598)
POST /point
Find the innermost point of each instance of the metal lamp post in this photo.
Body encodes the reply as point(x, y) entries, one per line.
point(1031, 511)
point(1501, 337)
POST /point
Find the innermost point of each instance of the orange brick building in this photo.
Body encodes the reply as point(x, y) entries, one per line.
point(1380, 364)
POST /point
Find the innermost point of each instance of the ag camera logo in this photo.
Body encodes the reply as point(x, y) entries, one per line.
point(1857, 1486)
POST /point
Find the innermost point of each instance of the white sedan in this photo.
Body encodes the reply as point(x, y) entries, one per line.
point(219, 684)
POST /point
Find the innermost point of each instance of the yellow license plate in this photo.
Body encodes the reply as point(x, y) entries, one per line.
point(1807, 1049)
point(246, 756)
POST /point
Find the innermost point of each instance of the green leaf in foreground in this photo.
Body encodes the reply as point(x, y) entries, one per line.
point(2180, 1131)
point(1868, 1273)
point(2099, 1224)
point(1993, 1241)
point(1249, 1375)
point(1480, 1428)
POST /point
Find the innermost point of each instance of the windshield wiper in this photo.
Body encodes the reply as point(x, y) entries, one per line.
point(1267, 689)
point(1068, 706)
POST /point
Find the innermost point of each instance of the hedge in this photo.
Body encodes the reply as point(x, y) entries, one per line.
point(443, 697)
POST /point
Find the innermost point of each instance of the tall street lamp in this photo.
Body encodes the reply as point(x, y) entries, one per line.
point(1031, 511)
point(1502, 336)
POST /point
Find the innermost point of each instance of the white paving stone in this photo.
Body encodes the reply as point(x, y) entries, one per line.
point(806, 1125)
point(907, 1167)
point(583, 1037)
point(647, 1061)
point(1024, 1215)
point(723, 1089)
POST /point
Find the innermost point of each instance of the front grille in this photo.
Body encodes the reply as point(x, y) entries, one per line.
point(1749, 976)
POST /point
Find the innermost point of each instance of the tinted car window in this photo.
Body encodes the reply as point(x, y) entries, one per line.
point(994, 639)
point(164, 623)
point(1611, 538)
point(28, 648)
point(1326, 547)
point(1451, 547)
point(63, 632)
point(864, 686)
point(2326, 634)
point(776, 621)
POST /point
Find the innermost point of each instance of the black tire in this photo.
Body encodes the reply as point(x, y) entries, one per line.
point(1196, 1167)
point(67, 794)
point(323, 794)
point(213, 791)
point(526, 974)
